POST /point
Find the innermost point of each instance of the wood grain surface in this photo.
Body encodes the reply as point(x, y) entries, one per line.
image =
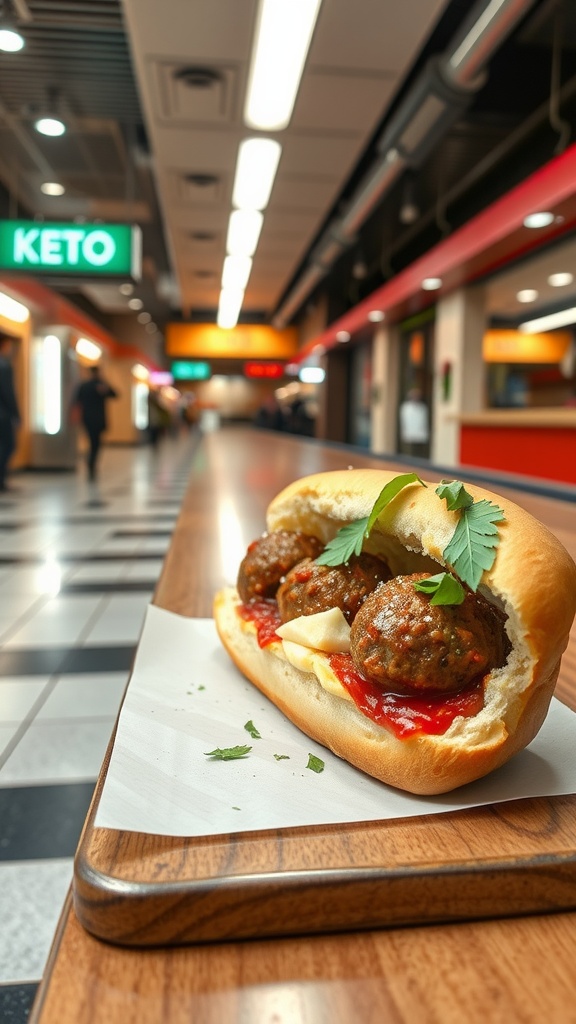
point(491, 862)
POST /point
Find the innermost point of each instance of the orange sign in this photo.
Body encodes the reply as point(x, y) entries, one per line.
point(246, 341)
point(508, 346)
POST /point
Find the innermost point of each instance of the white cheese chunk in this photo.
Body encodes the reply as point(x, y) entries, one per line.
point(307, 660)
point(325, 631)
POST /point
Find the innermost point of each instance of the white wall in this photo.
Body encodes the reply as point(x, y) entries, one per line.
point(460, 327)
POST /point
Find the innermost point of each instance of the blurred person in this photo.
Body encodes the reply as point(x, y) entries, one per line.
point(158, 417)
point(90, 398)
point(9, 412)
point(414, 428)
point(270, 414)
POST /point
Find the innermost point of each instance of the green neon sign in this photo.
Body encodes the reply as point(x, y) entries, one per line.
point(94, 250)
point(183, 370)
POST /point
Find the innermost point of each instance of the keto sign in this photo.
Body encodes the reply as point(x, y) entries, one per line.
point(87, 249)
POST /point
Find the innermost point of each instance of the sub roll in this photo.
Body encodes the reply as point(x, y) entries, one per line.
point(422, 666)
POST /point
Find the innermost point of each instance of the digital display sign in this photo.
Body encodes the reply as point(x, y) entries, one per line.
point(264, 371)
point(183, 370)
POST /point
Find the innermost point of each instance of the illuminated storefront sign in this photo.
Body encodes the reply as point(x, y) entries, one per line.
point(103, 250)
point(265, 371)
point(182, 370)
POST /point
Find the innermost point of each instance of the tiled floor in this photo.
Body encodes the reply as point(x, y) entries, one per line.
point(78, 565)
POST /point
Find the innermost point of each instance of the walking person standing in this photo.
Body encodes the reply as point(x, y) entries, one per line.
point(9, 412)
point(91, 397)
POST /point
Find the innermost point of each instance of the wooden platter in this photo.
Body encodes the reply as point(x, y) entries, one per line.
point(495, 861)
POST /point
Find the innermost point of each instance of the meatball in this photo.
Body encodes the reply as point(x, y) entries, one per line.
point(405, 644)
point(268, 559)
point(310, 588)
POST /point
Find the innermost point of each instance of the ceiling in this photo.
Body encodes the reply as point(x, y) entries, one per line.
point(154, 92)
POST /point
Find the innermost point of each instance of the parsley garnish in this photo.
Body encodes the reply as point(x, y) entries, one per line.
point(282, 757)
point(251, 728)
point(444, 588)
point(315, 764)
point(456, 495)
point(349, 539)
point(227, 753)
point(472, 548)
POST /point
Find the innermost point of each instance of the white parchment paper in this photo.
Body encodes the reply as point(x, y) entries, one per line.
point(186, 698)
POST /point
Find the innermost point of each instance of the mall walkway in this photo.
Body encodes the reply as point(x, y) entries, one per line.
point(78, 565)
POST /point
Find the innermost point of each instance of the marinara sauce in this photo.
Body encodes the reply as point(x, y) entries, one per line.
point(403, 715)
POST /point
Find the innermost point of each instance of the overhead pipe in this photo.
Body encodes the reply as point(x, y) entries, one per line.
point(437, 98)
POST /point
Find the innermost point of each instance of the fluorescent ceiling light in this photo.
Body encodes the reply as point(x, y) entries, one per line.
point(312, 374)
point(88, 349)
point(376, 316)
point(135, 303)
point(560, 280)
point(431, 284)
point(255, 172)
point(236, 272)
point(283, 33)
point(538, 220)
point(10, 40)
point(52, 188)
point(52, 126)
point(229, 307)
point(243, 232)
point(527, 295)
point(549, 322)
point(13, 310)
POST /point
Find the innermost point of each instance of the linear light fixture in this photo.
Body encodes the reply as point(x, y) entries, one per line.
point(255, 172)
point(236, 272)
point(547, 323)
point(283, 34)
point(12, 309)
point(229, 306)
point(244, 229)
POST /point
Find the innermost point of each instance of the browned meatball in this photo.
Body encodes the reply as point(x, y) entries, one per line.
point(405, 644)
point(268, 560)
point(310, 588)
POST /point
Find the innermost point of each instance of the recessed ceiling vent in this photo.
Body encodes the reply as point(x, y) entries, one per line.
point(195, 93)
point(202, 180)
point(198, 77)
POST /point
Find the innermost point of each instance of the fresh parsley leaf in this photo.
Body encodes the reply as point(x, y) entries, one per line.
point(282, 757)
point(251, 728)
point(315, 764)
point(392, 488)
point(350, 538)
point(472, 548)
point(347, 542)
point(455, 493)
point(227, 753)
point(444, 588)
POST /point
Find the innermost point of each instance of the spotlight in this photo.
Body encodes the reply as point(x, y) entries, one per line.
point(11, 39)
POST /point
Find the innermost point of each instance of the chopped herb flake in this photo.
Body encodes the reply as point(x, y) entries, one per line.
point(227, 753)
point(251, 728)
point(315, 764)
point(282, 757)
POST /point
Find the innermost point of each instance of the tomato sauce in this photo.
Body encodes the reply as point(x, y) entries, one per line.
point(266, 618)
point(403, 715)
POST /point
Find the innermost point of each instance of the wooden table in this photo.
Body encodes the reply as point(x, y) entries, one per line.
point(502, 969)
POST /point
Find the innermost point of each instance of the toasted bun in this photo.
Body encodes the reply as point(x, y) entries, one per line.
point(533, 579)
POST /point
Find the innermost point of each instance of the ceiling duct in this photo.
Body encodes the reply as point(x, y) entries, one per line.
point(435, 101)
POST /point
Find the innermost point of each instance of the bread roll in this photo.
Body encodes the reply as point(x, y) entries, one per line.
point(532, 580)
